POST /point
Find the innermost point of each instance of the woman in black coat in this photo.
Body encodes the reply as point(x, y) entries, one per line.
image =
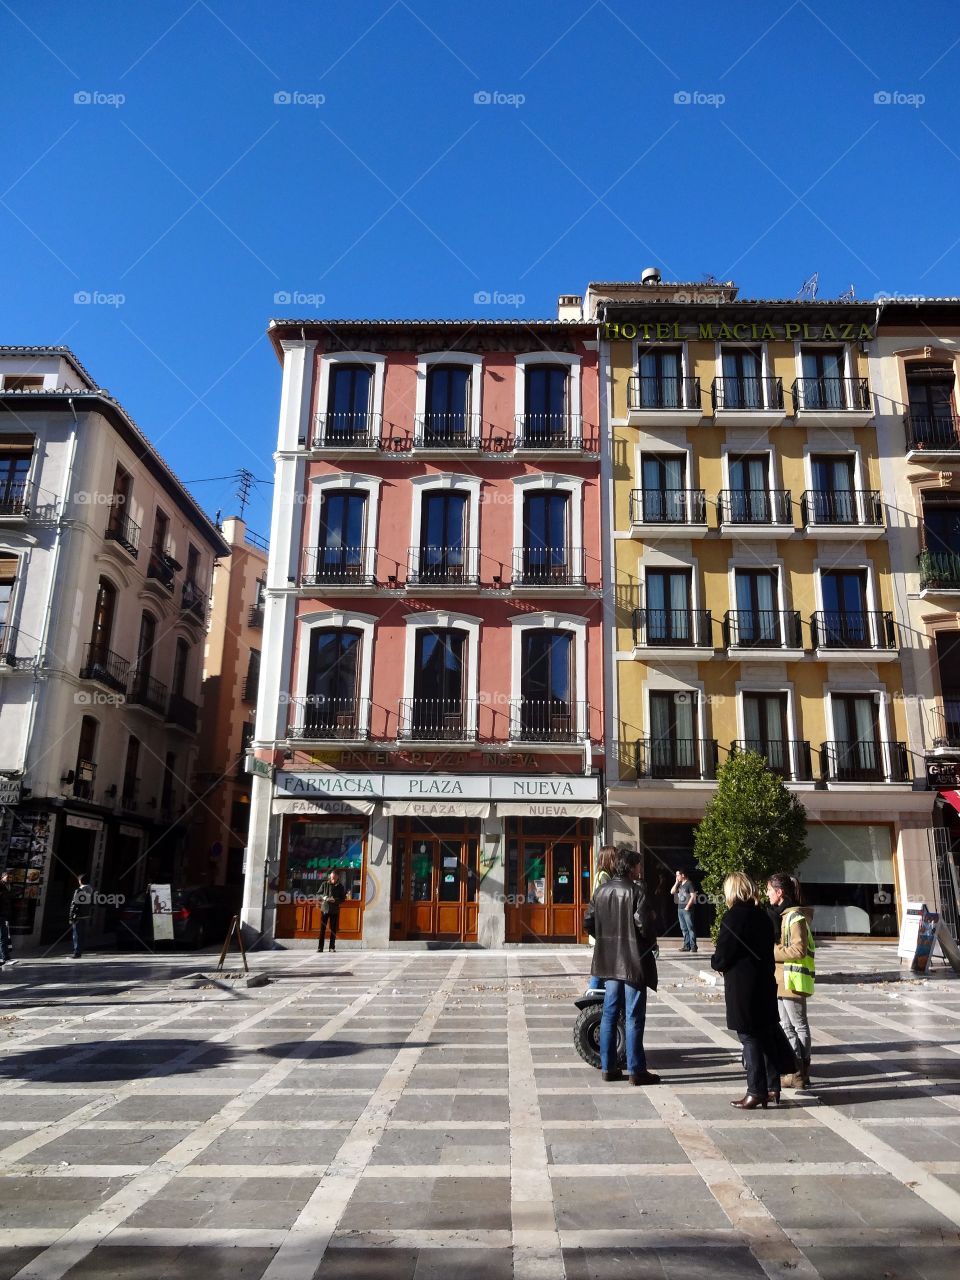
point(744, 955)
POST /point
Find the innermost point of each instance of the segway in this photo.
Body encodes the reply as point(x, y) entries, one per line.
point(586, 1030)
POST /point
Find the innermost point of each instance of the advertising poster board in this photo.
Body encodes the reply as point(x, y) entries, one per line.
point(161, 911)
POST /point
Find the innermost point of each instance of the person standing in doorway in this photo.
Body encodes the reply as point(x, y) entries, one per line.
point(796, 971)
point(620, 919)
point(685, 896)
point(81, 908)
point(332, 893)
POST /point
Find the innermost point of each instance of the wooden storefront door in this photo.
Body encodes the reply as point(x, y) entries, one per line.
point(435, 881)
point(548, 880)
point(310, 848)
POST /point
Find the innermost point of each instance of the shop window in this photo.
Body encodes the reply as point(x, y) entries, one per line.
point(313, 848)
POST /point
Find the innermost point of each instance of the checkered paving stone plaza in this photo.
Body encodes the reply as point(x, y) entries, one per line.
point(423, 1115)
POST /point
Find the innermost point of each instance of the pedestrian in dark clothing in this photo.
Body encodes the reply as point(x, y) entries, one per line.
point(744, 955)
point(332, 893)
point(620, 919)
point(81, 908)
point(6, 915)
point(685, 896)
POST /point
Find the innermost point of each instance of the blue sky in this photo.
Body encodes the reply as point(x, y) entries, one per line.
point(199, 198)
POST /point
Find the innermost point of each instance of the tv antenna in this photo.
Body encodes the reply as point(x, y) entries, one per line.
point(245, 481)
point(809, 287)
point(850, 295)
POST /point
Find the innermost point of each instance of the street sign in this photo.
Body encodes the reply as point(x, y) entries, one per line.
point(10, 789)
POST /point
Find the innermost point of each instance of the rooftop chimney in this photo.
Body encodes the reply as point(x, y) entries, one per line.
point(570, 306)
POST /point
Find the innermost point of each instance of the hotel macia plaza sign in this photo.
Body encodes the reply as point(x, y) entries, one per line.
point(714, 331)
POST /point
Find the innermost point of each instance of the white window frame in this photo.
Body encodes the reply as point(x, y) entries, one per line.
point(379, 363)
point(435, 483)
point(851, 562)
point(870, 690)
point(550, 621)
point(838, 451)
point(662, 562)
point(726, 450)
point(849, 364)
point(549, 482)
point(431, 359)
point(530, 358)
point(342, 619)
point(321, 485)
point(752, 565)
point(455, 622)
point(744, 687)
point(663, 682)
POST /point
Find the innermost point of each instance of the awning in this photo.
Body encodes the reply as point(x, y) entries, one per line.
point(316, 804)
point(548, 809)
point(435, 809)
point(952, 798)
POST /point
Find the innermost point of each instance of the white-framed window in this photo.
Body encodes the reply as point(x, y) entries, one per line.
point(766, 723)
point(342, 538)
point(548, 676)
point(445, 524)
point(663, 375)
point(334, 671)
point(441, 674)
point(349, 397)
point(446, 397)
point(548, 526)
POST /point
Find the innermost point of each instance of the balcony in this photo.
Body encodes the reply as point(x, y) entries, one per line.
point(437, 720)
point(676, 759)
point(932, 437)
point(16, 497)
point(765, 632)
point(317, 718)
point(548, 569)
point(945, 723)
point(832, 402)
point(669, 401)
point(148, 693)
point(255, 617)
point(345, 432)
point(789, 758)
point(853, 636)
point(939, 573)
point(842, 514)
point(161, 568)
point(248, 689)
point(84, 776)
point(748, 402)
point(130, 795)
point(193, 600)
point(540, 433)
point(124, 531)
point(672, 633)
point(864, 762)
point(105, 667)
point(659, 513)
point(340, 568)
point(8, 646)
point(548, 721)
point(182, 713)
point(442, 568)
point(447, 433)
point(752, 513)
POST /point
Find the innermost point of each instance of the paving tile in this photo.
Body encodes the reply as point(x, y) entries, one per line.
point(909, 1262)
point(12, 1259)
point(613, 1146)
point(225, 1202)
point(443, 1146)
point(714, 1263)
point(92, 1145)
point(196, 1262)
point(635, 1203)
point(52, 1202)
point(429, 1205)
point(273, 1146)
point(827, 1201)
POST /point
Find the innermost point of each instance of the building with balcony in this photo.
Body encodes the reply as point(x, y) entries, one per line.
point(231, 676)
point(752, 536)
point(430, 705)
point(105, 564)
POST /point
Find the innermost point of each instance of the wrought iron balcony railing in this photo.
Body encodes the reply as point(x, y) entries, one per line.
point(182, 712)
point(336, 567)
point(843, 506)
point(443, 566)
point(790, 758)
point(8, 645)
point(105, 667)
point(85, 776)
point(939, 432)
point(680, 759)
point(147, 692)
point(548, 720)
point(445, 430)
point(662, 393)
point(668, 506)
point(161, 567)
point(255, 616)
point(754, 506)
point(318, 718)
point(830, 395)
point(939, 570)
point(747, 394)
point(548, 431)
point(548, 567)
point(945, 717)
point(120, 528)
point(15, 497)
point(832, 629)
point(865, 761)
point(346, 429)
point(437, 720)
point(248, 688)
point(672, 628)
point(762, 629)
point(194, 599)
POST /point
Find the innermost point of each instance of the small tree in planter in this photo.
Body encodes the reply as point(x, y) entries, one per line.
point(753, 824)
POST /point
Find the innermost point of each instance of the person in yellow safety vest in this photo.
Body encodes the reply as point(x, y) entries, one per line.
point(796, 971)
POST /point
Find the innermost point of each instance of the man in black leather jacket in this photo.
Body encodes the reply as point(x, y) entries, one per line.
point(620, 919)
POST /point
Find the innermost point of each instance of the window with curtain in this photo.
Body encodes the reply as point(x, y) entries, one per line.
point(930, 391)
point(856, 727)
point(834, 499)
point(668, 614)
point(447, 403)
point(545, 403)
point(546, 535)
point(546, 683)
point(340, 554)
point(758, 618)
point(750, 488)
point(823, 385)
point(442, 523)
point(765, 728)
point(845, 607)
point(742, 382)
point(332, 673)
point(674, 749)
point(664, 488)
point(438, 682)
point(660, 380)
point(348, 403)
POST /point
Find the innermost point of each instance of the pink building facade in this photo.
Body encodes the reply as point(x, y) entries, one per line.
point(430, 717)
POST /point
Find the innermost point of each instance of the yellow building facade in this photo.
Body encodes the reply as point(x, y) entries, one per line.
point(752, 603)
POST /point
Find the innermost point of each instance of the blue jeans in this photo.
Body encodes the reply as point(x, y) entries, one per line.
point(619, 997)
point(4, 940)
point(687, 929)
point(594, 984)
point(78, 929)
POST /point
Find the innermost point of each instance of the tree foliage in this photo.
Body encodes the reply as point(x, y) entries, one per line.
point(753, 824)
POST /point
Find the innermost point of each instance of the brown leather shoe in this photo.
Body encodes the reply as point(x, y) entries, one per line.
point(612, 1076)
point(644, 1077)
point(749, 1102)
